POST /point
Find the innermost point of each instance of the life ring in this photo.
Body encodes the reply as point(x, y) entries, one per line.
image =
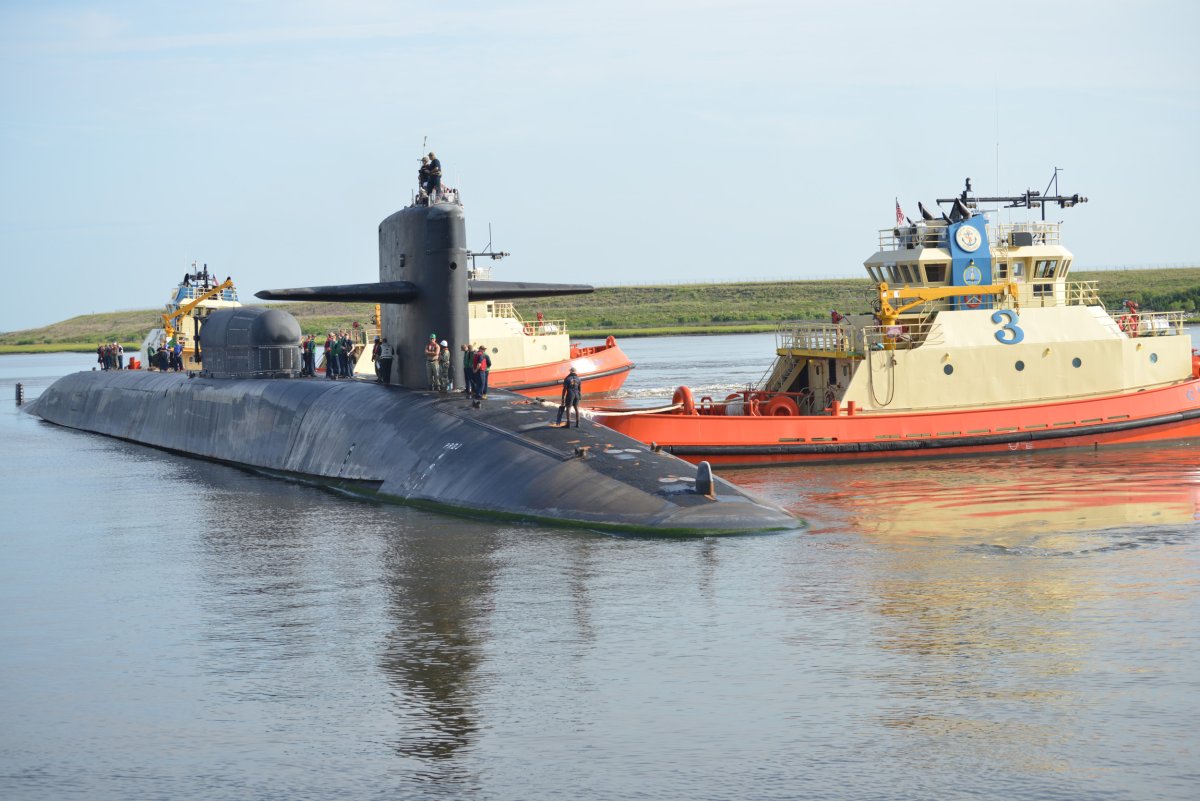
point(528, 330)
point(683, 395)
point(611, 342)
point(781, 406)
point(1195, 364)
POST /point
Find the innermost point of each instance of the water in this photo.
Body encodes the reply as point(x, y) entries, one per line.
point(1019, 627)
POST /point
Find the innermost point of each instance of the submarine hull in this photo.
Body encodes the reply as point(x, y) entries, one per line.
point(505, 460)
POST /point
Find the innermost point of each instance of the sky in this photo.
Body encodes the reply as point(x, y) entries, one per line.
point(605, 143)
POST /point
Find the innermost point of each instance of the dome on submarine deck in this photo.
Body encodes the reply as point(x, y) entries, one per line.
point(250, 341)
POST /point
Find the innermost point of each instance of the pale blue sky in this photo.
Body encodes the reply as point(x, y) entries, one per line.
point(609, 143)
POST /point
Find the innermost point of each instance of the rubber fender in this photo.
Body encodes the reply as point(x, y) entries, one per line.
point(683, 395)
point(780, 406)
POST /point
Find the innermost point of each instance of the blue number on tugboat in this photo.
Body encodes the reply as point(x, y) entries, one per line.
point(1010, 327)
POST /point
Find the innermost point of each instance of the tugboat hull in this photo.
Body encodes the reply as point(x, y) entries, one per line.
point(1166, 413)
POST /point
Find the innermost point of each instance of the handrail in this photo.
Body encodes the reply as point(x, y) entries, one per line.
point(933, 235)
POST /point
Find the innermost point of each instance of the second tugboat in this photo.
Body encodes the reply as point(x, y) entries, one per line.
point(979, 343)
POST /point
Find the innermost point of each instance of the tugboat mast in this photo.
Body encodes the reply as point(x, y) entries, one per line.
point(1031, 199)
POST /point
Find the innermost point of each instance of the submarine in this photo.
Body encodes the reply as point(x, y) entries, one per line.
point(393, 440)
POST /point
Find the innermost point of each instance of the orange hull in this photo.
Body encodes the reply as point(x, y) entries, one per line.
point(1167, 413)
point(603, 369)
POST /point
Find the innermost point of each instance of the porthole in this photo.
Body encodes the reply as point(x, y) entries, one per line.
point(1020, 365)
point(1154, 358)
point(453, 265)
point(948, 369)
point(1076, 362)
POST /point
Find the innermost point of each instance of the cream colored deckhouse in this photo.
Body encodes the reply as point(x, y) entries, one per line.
point(971, 313)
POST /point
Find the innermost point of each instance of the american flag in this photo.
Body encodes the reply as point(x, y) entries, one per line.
point(899, 214)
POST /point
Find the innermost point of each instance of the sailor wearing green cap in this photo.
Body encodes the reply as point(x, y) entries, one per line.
point(432, 351)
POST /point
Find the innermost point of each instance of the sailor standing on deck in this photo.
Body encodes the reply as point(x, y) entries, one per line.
point(385, 362)
point(479, 367)
point(444, 367)
point(432, 351)
point(571, 390)
point(468, 360)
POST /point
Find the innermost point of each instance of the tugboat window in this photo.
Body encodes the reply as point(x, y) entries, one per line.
point(1001, 270)
point(935, 273)
point(948, 369)
point(1045, 268)
point(1020, 366)
point(1154, 358)
point(1076, 362)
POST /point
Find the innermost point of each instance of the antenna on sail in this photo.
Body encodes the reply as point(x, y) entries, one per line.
point(487, 251)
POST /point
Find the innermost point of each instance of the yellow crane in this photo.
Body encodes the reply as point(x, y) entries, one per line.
point(919, 295)
point(168, 319)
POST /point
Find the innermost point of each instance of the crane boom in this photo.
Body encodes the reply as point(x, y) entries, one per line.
point(888, 314)
point(168, 319)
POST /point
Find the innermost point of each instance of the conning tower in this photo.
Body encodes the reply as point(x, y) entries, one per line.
point(423, 285)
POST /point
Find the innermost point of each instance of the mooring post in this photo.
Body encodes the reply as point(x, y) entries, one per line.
point(20, 394)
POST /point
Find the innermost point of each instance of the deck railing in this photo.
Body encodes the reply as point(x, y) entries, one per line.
point(923, 235)
point(1152, 324)
point(902, 336)
point(825, 337)
point(530, 327)
point(185, 293)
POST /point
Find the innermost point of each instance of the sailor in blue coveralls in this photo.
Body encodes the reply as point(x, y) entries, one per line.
point(571, 389)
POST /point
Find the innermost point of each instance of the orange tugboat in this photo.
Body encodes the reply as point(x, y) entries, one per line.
point(978, 344)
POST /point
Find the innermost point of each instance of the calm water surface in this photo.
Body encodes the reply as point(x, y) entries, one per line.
point(1000, 628)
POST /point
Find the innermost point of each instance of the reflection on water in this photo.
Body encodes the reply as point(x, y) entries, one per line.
point(1039, 500)
point(1018, 627)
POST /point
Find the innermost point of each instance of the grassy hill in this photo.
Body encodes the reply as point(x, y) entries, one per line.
point(636, 310)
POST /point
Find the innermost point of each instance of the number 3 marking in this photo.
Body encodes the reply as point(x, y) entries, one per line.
point(1010, 326)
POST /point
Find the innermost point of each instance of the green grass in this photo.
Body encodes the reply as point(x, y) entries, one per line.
point(742, 307)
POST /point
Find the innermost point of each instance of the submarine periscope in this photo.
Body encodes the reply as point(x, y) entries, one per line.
point(394, 441)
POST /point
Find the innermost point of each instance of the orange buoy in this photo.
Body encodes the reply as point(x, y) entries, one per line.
point(683, 395)
point(780, 406)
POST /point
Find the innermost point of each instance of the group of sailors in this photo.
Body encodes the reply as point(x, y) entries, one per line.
point(166, 357)
point(110, 356)
point(337, 354)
